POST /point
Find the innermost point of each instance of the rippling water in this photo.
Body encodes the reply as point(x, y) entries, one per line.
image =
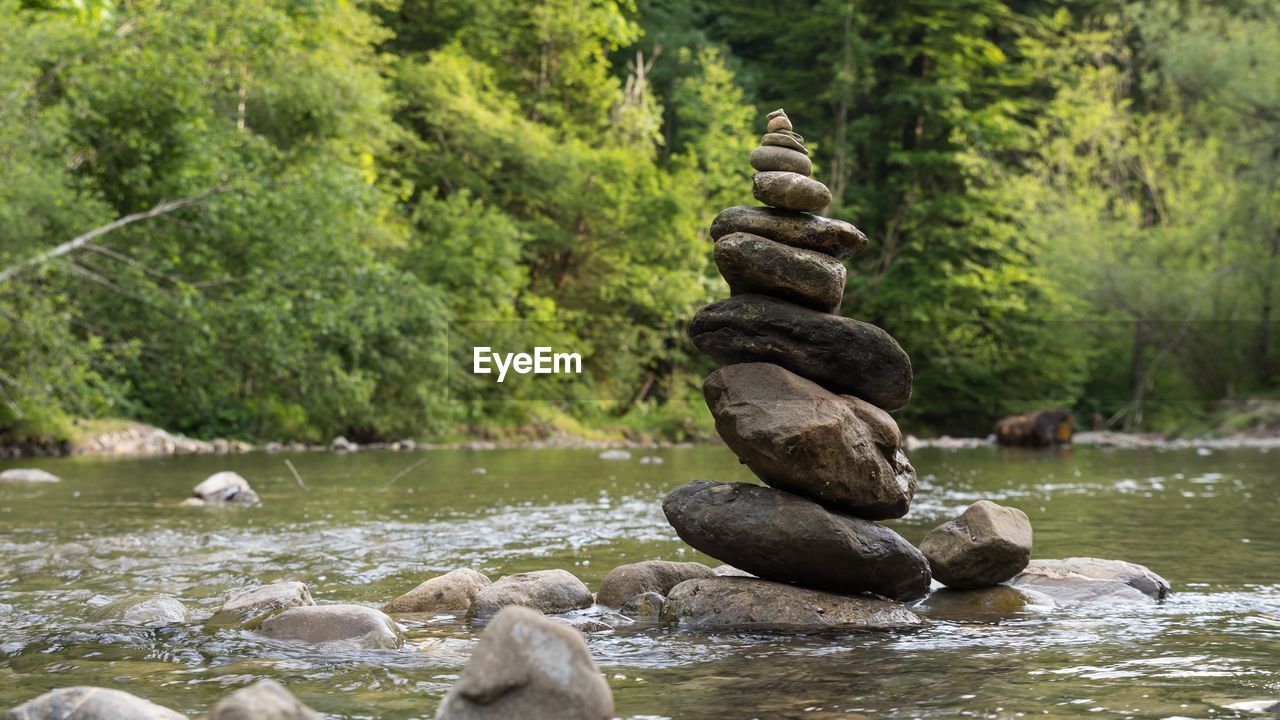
point(112, 530)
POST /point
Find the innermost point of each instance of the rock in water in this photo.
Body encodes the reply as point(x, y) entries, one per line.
point(789, 191)
point(28, 475)
point(748, 602)
point(752, 264)
point(779, 536)
point(644, 605)
point(986, 545)
point(841, 354)
point(264, 700)
point(778, 120)
point(225, 487)
point(452, 592)
point(767, 158)
point(90, 703)
point(547, 591)
point(790, 141)
point(800, 438)
point(626, 581)
point(346, 624)
point(1084, 580)
point(836, 238)
point(991, 603)
point(531, 667)
point(159, 610)
point(253, 606)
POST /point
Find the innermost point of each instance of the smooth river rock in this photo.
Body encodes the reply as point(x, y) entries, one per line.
point(1085, 580)
point(644, 605)
point(789, 191)
point(752, 264)
point(251, 607)
point(767, 158)
point(626, 581)
point(264, 700)
point(843, 355)
point(225, 487)
point(990, 603)
point(159, 610)
point(786, 140)
point(751, 603)
point(452, 592)
point(547, 591)
point(27, 475)
point(986, 545)
point(798, 437)
point(90, 703)
point(778, 120)
point(836, 238)
point(779, 536)
point(346, 624)
point(531, 667)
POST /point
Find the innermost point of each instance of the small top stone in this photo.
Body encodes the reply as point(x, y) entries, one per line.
point(778, 120)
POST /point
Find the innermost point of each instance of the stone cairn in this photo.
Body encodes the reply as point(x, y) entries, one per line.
point(803, 398)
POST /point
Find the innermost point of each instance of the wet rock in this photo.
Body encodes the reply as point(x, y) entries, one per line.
point(264, 700)
point(1256, 706)
point(836, 238)
point(986, 545)
point(225, 487)
point(322, 624)
point(452, 592)
point(528, 666)
point(752, 264)
point(27, 475)
point(841, 354)
point(644, 605)
point(615, 455)
point(547, 591)
point(341, 444)
point(789, 191)
point(90, 703)
point(1083, 580)
point(627, 581)
point(985, 603)
point(160, 610)
point(253, 606)
point(779, 536)
point(730, 571)
point(584, 624)
point(800, 438)
point(784, 140)
point(778, 120)
point(651, 460)
point(767, 158)
point(748, 602)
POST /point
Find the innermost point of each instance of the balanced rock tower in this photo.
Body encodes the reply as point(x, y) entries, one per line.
point(803, 398)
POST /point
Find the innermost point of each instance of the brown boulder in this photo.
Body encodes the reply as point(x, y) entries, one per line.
point(986, 545)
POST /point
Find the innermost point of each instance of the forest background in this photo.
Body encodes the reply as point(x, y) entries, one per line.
point(282, 211)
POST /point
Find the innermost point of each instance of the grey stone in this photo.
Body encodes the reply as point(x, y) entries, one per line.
point(547, 591)
point(752, 264)
point(225, 487)
point(531, 667)
point(345, 624)
point(727, 570)
point(779, 536)
point(778, 120)
point(789, 191)
point(1084, 580)
point(644, 605)
point(626, 581)
point(986, 545)
point(990, 603)
point(28, 475)
point(253, 606)
point(733, 602)
point(836, 238)
point(785, 140)
point(161, 610)
point(843, 355)
point(90, 703)
point(264, 700)
point(768, 158)
point(452, 592)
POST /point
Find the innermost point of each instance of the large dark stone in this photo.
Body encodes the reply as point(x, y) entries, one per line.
point(751, 603)
point(986, 545)
point(801, 438)
point(780, 536)
point(1085, 580)
point(836, 238)
point(789, 190)
point(752, 264)
point(839, 353)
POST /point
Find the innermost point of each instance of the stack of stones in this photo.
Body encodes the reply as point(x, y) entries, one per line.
point(803, 398)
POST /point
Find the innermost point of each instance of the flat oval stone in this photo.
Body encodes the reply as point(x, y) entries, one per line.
point(836, 238)
point(752, 264)
point(784, 140)
point(354, 625)
point(841, 354)
point(1086, 580)
point(789, 191)
point(798, 437)
point(779, 536)
point(770, 157)
point(751, 603)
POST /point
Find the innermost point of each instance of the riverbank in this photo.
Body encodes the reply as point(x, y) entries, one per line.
point(1113, 439)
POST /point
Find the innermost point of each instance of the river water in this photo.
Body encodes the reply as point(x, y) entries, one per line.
point(1207, 521)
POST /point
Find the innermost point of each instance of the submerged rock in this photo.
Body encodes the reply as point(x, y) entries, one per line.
point(90, 703)
point(644, 605)
point(752, 264)
point(1083, 580)
point(28, 475)
point(547, 591)
point(626, 581)
point(986, 545)
point(452, 592)
point(984, 603)
point(253, 606)
point(780, 536)
point(348, 624)
point(264, 700)
point(225, 487)
point(789, 190)
point(749, 602)
point(798, 437)
point(836, 238)
point(160, 610)
point(841, 354)
point(528, 666)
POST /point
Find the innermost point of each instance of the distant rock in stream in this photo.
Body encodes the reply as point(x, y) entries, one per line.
point(251, 607)
point(452, 592)
point(27, 475)
point(90, 703)
point(264, 700)
point(547, 591)
point(1085, 580)
point(225, 487)
point(354, 625)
